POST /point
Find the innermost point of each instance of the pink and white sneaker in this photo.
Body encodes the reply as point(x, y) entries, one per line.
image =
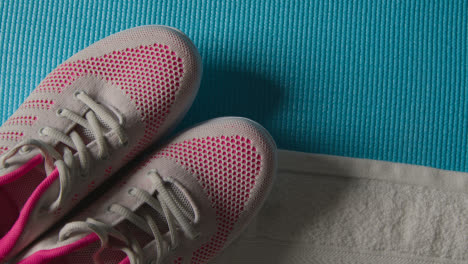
point(184, 204)
point(86, 119)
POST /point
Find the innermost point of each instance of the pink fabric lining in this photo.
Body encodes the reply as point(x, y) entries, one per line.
point(11, 206)
point(9, 210)
point(44, 256)
point(9, 240)
point(24, 169)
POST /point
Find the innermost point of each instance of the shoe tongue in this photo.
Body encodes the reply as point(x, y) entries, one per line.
point(142, 237)
point(87, 135)
point(184, 204)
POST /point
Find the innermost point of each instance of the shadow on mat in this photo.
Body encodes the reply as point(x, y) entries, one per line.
point(224, 92)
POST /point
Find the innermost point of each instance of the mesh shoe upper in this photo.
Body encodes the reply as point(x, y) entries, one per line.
point(145, 78)
point(225, 165)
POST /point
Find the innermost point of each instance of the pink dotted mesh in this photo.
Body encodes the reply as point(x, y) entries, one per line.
point(91, 186)
point(11, 135)
point(108, 172)
point(178, 261)
point(3, 149)
point(21, 120)
point(227, 168)
point(149, 75)
point(37, 104)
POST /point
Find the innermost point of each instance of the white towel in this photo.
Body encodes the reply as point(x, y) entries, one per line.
point(336, 210)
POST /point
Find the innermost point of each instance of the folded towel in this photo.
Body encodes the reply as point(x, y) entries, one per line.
point(327, 209)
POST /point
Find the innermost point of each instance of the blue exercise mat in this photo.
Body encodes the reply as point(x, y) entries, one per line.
point(378, 79)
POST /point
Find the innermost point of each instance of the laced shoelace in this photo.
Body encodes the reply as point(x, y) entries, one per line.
point(164, 204)
point(66, 163)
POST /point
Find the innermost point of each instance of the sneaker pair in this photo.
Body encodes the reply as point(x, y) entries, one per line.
point(95, 113)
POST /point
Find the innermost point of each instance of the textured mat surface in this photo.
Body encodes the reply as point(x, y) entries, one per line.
point(374, 79)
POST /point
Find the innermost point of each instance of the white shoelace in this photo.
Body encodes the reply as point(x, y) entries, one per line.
point(66, 164)
point(165, 205)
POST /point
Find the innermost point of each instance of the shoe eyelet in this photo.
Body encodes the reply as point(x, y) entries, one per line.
point(130, 191)
point(75, 94)
point(59, 112)
point(122, 121)
point(41, 132)
point(152, 171)
point(65, 237)
point(25, 150)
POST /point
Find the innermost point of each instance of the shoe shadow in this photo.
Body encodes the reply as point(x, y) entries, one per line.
point(301, 207)
point(224, 92)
